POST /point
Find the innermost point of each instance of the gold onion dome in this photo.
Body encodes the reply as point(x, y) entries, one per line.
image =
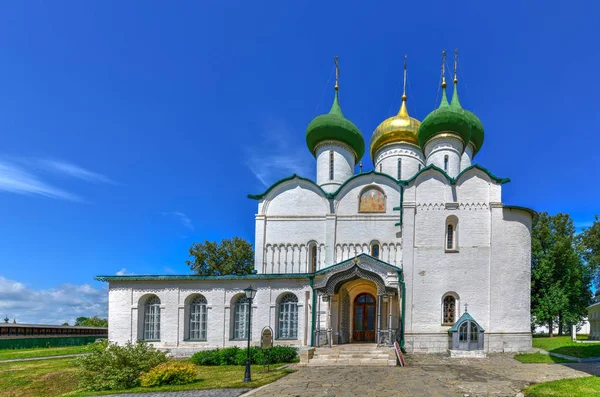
point(400, 128)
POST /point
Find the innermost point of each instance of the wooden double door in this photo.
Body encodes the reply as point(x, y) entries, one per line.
point(363, 329)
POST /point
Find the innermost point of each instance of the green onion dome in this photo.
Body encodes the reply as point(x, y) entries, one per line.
point(333, 126)
point(477, 133)
point(446, 118)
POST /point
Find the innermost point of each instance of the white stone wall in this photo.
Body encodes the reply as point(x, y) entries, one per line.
point(594, 320)
point(439, 147)
point(126, 299)
point(467, 157)
point(343, 168)
point(386, 160)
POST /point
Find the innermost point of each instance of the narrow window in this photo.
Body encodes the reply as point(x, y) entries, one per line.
point(242, 309)
point(152, 319)
point(375, 250)
point(420, 167)
point(288, 317)
point(198, 318)
point(313, 258)
point(449, 310)
point(380, 167)
point(399, 169)
point(450, 237)
point(331, 165)
point(446, 163)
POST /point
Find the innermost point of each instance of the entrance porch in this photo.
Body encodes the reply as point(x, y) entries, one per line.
point(358, 301)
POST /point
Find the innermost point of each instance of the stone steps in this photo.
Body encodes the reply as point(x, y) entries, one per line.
point(353, 355)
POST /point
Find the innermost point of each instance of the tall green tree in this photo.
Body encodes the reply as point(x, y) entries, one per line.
point(91, 322)
point(211, 258)
point(590, 242)
point(560, 278)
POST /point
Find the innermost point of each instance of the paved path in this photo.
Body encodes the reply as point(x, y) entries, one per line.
point(16, 360)
point(425, 375)
point(189, 393)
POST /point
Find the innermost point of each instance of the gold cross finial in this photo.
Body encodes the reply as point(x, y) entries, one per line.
point(337, 72)
point(455, 63)
point(356, 260)
point(404, 90)
point(443, 69)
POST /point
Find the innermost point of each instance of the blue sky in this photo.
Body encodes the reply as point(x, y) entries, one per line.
point(130, 130)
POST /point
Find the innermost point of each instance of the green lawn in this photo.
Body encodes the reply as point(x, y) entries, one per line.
point(539, 358)
point(56, 377)
point(564, 345)
point(580, 387)
point(40, 352)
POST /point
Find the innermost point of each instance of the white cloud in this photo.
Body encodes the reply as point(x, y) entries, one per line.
point(279, 153)
point(63, 303)
point(74, 171)
point(183, 218)
point(15, 179)
point(124, 272)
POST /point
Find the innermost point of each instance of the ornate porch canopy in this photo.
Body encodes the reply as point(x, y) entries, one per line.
point(382, 274)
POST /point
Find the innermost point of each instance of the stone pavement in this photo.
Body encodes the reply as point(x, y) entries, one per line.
point(425, 375)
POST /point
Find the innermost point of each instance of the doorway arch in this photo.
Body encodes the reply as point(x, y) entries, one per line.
point(363, 328)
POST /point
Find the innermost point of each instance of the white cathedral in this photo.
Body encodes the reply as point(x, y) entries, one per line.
point(421, 251)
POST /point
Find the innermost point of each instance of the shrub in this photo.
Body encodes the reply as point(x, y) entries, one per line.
point(169, 373)
point(237, 356)
point(227, 356)
point(206, 357)
point(110, 366)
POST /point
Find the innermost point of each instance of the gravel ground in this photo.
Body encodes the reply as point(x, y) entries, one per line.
point(189, 393)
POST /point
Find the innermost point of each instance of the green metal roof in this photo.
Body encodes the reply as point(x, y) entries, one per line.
point(477, 133)
point(193, 277)
point(465, 317)
point(334, 126)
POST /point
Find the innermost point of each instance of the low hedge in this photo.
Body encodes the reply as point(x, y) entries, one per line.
point(236, 356)
point(169, 373)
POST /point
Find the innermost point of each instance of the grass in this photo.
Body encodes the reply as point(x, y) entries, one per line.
point(539, 358)
point(56, 377)
point(11, 354)
point(579, 387)
point(564, 345)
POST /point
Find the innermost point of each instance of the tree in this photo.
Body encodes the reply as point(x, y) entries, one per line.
point(211, 258)
point(65, 324)
point(590, 242)
point(91, 322)
point(560, 278)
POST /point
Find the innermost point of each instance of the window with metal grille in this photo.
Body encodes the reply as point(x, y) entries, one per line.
point(241, 312)
point(450, 237)
point(449, 310)
point(288, 317)
point(446, 163)
point(399, 168)
point(198, 317)
point(152, 319)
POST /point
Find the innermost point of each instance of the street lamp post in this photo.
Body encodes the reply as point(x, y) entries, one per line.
point(250, 294)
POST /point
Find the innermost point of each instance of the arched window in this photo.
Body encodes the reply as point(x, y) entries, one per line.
point(152, 319)
point(313, 258)
point(198, 318)
point(451, 233)
point(449, 310)
point(375, 250)
point(240, 318)
point(399, 168)
point(446, 163)
point(331, 165)
point(288, 317)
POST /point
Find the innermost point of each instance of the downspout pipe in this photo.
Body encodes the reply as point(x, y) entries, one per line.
point(401, 281)
point(311, 281)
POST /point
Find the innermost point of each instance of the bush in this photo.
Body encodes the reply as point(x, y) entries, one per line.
point(206, 357)
point(110, 366)
point(169, 373)
point(227, 356)
point(237, 356)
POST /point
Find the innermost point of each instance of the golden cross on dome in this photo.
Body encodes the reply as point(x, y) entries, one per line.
point(337, 72)
point(404, 90)
point(455, 62)
point(443, 69)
